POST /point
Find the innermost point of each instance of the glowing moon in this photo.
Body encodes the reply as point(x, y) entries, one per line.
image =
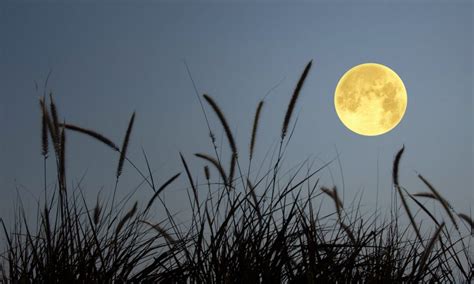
point(370, 99)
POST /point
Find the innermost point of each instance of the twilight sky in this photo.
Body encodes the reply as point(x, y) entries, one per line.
point(110, 60)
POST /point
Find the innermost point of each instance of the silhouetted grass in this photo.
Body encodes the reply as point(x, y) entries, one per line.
point(268, 229)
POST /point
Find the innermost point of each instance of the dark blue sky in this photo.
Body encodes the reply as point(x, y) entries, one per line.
point(109, 60)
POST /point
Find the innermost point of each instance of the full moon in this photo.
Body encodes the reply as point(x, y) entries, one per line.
point(370, 99)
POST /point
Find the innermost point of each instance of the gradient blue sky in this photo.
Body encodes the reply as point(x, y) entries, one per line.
point(111, 60)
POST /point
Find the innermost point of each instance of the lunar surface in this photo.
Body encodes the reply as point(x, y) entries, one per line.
point(370, 99)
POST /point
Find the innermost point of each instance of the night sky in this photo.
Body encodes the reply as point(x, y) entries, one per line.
point(110, 60)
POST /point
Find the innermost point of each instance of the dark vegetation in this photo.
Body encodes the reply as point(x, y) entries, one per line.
point(265, 229)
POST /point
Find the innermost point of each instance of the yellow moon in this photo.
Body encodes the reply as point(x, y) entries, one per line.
point(370, 99)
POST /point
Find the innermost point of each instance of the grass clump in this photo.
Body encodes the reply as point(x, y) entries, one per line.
point(256, 228)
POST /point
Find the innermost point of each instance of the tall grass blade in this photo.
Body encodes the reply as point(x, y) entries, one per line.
point(62, 159)
point(447, 207)
point(161, 231)
point(222, 119)
point(294, 98)
point(44, 129)
point(228, 132)
point(92, 134)
point(429, 248)
point(168, 182)
point(123, 151)
point(55, 124)
point(207, 174)
point(216, 164)
point(49, 125)
point(425, 194)
point(396, 164)
point(255, 128)
point(190, 178)
point(125, 218)
point(467, 219)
